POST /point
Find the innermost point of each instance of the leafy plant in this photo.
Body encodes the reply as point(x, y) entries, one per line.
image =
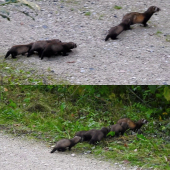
point(5, 13)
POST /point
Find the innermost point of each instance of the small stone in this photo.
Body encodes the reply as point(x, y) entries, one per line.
point(45, 26)
point(135, 150)
point(91, 69)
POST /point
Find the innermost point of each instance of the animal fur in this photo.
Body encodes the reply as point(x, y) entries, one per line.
point(140, 18)
point(39, 46)
point(63, 144)
point(18, 49)
point(95, 136)
point(82, 135)
point(115, 31)
point(56, 49)
point(132, 125)
point(119, 128)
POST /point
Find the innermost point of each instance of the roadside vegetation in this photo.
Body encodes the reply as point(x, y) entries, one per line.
point(14, 73)
point(50, 113)
point(16, 4)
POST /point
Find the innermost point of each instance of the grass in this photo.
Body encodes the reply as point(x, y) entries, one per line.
point(87, 13)
point(14, 73)
point(117, 7)
point(168, 38)
point(46, 115)
point(158, 32)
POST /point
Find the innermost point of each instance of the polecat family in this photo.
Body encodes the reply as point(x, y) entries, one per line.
point(39, 46)
point(58, 48)
point(63, 144)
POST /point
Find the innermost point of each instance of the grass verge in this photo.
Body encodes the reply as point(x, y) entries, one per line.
point(48, 116)
point(14, 73)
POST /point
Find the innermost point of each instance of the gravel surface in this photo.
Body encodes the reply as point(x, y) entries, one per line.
point(19, 153)
point(139, 56)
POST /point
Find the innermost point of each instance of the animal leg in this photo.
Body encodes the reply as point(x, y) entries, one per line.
point(64, 53)
point(54, 149)
point(7, 54)
point(13, 56)
point(30, 53)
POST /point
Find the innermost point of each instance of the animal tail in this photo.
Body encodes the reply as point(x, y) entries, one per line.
point(54, 149)
point(7, 54)
point(107, 37)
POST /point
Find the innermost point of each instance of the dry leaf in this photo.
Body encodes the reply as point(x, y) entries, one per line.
point(5, 89)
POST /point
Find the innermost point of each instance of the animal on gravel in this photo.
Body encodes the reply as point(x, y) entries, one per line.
point(119, 128)
point(18, 49)
point(115, 31)
point(63, 144)
point(95, 136)
point(58, 48)
point(39, 46)
point(140, 18)
point(132, 125)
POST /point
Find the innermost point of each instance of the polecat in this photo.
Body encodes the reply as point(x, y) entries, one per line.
point(18, 49)
point(132, 125)
point(119, 128)
point(142, 18)
point(62, 144)
point(115, 31)
point(39, 46)
point(58, 48)
point(95, 136)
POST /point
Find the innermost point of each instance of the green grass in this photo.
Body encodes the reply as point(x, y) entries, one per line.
point(158, 32)
point(87, 13)
point(47, 115)
point(15, 73)
point(117, 7)
point(168, 38)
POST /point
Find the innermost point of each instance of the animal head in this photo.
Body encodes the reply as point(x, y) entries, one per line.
point(144, 121)
point(105, 130)
point(71, 45)
point(154, 9)
point(77, 139)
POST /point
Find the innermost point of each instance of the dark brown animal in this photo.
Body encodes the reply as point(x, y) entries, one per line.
point(56, 49)
point(119, 128)
point(63, 144)
point(140, 18)
point(132, 125)
point(115, 31)
point(18, 49)
point(81, 134)
point(39, 46)
point(95, 136)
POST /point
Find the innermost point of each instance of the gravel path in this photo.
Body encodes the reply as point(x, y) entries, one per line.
point(19, 153)
point(139, 56)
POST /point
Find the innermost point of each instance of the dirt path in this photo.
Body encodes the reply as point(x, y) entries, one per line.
point(139, 56)
point(19, 153)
